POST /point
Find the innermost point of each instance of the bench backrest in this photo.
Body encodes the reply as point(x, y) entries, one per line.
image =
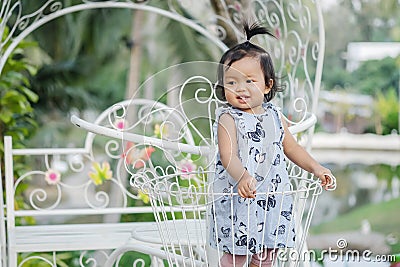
point(87, 184)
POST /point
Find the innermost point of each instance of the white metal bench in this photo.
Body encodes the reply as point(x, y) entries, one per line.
point(62, 224)
point(168, 233)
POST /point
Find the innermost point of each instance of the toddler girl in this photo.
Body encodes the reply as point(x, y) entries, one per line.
point(253, 141)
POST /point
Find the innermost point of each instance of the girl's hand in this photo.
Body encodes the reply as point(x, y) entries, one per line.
point(247, 186)
point(326, 177)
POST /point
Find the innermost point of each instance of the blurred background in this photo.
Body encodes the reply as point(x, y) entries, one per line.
point(83, 63)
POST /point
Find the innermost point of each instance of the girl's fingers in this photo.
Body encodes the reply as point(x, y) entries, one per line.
point(242, 192)
point(330, 182)
point(245, 193)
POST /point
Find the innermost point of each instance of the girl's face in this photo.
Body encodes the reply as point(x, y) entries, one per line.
point(244, 85)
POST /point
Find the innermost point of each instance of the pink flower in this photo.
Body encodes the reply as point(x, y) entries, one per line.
point(136, 156)
point(237, 6)
point(302, 51)
point(120, 124)
point(187, 167)
point(277, 33)
point(52, 177)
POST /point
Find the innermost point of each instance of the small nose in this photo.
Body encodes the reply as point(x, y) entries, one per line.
point(240, 87)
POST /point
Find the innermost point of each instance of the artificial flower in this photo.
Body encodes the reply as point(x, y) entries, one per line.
point(52, 177)
point(144, 197)
point(160, 130)
point(277, 33)
point(137, 156)
point(120, 124)
point(100, 172)
point(237, 6)
point(187, 167)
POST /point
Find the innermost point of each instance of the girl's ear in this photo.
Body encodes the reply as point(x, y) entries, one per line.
point(269, 86)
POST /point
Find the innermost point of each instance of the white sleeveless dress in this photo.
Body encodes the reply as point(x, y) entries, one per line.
point(267, 223)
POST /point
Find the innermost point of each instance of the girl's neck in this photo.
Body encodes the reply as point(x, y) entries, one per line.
point(255, 110)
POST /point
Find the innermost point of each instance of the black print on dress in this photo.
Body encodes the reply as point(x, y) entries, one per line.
point(257, 134)
point(258, 156)
point(239, 113)
point(277, 160)
point(260, 227)
point(287, 213)
point(226, 249)
point(233, 218)
point(279, 143)
point(220, 169)
point(259, 178)
point(224, 198)
point(241, 235)
point(226, 231)
point(261, 117)
point(247, 201)
point(280, 231)
point(252, 245)
point(267, 205)
point(275, 181)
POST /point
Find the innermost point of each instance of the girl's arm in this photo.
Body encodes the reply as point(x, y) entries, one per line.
point(228, 150)
point(303, 159)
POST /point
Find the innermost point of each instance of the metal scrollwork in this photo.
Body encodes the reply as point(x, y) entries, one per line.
point(38, 258)
point(177, 175)
point(290, 52)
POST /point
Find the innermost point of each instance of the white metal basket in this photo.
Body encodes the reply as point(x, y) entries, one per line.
point(184, 208)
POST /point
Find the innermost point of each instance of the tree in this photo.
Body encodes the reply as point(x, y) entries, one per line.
point(386, 112)
point(356, 21)
point(375, 19)
point(376, 76)
point(17, 117)
point(16, 98)
point(84, 60)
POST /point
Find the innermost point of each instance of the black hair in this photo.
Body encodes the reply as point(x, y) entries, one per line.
point(248, 49)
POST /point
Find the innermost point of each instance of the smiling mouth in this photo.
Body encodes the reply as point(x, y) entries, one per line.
point(242, 99)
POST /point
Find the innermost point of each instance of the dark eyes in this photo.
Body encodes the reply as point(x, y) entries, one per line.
point(233, 82)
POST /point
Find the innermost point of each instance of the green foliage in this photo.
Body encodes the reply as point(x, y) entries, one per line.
point(372, 77)
point(17, 118)
point(376, 76)
point(58, 93)
point(16, 98)
point(85, 61)
point(337, 78)
point(387, 110)
point(132, 258)
point(45, 259)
